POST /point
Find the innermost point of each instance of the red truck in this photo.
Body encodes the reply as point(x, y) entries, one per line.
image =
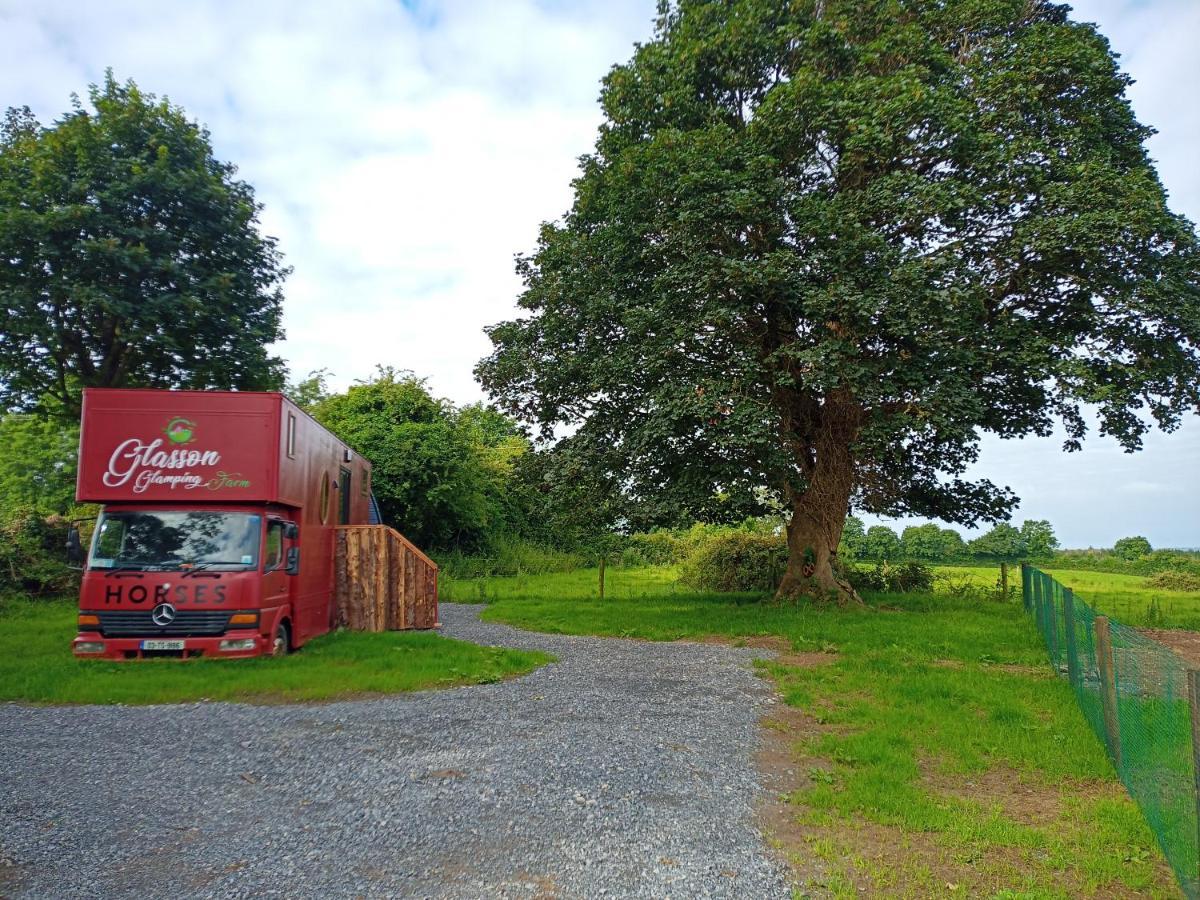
point(216, 536)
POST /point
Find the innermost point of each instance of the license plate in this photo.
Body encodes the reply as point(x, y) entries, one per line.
point(162, 645)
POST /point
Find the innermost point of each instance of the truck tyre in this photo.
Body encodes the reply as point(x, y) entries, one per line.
point(282, 643)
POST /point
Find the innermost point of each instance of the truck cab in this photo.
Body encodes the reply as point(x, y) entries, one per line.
point(201, 581)
point(216, 534)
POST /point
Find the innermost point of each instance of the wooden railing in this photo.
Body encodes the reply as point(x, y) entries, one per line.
point(383, 582)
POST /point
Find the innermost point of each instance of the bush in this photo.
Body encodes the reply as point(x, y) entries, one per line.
point(508, 556)
point(1174, 581)
point(1106, 561)
point(891, 578)
point(33, 555)
point(656, 548)
point(736, 561)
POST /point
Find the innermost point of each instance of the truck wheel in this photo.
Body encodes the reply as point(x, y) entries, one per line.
point(282, 643)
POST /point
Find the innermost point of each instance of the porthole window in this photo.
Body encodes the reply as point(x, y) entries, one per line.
point(324, 498)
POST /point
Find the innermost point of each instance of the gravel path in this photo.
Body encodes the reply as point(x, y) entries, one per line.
point(623, 770)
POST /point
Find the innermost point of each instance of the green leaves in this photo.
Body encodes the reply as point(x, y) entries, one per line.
point(442, 475)
point(131, 257)
point(941, 215)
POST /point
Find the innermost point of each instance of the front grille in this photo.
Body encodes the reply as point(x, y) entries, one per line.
point(188, 623)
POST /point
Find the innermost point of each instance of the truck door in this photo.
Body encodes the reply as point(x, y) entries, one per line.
point(277, 585)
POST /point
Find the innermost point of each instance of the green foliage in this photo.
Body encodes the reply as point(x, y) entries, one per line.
point(891, 578)
point(1132, 548)
point(33, 554)
point(440, 474)
point(36, 665)
point(38, 458)
point(736, 561)
point(1174, 581)
point(311, 391)
point(853, 544)
point(1108, 561)
point(1003, 542)
point(931, 543)
point(507, 555)
point(808, 227)
point(132, 257)
point(1039, 539)
point(881, 543)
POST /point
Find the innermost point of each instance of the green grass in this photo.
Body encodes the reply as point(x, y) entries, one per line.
point(1125, 598)
point(925, 690)
point(36, 666)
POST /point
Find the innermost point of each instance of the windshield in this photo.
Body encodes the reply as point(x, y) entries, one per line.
point(143, 540)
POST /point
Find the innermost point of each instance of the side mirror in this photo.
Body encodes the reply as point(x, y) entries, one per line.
point(293, 561)
point(74, 547)
point(291, 530)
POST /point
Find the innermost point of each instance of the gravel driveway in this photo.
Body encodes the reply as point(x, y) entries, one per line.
point(624, 770)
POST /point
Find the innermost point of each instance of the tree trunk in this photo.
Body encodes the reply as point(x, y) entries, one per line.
point(819, 512)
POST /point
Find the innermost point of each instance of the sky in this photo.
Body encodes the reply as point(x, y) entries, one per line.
point(406, 151)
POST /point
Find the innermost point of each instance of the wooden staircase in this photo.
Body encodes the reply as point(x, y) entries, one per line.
point(383, 582)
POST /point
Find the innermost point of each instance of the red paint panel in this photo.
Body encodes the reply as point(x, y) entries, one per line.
point(178, 446)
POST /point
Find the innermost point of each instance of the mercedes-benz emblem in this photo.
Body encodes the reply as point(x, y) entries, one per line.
point(163, 615)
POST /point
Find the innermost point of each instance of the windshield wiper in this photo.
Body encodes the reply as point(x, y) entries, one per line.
point(201, 566)
point(126, 567)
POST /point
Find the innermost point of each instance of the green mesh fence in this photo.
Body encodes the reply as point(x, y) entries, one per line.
point(1134, 692)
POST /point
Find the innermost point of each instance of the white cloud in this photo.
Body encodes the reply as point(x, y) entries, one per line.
point(405, 151)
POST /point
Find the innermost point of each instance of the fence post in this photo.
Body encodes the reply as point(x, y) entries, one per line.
point(1072, 648)
point(1193, 682)
point(1037, 602)
point(1052, 622)
point(1108, 688)
point(1004, 581)
point(602, 577)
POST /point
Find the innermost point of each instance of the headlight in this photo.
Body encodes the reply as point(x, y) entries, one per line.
point(242, 644)
point(89, 647)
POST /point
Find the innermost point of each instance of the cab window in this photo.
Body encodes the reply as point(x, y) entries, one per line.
point(273, 548)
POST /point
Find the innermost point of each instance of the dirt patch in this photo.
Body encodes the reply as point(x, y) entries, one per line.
point(542, 887)
point(1186, 644)
point(1007, 668)
point(781, 647)
point(1019, 797)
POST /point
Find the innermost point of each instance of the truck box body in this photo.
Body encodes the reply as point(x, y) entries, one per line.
point(207, 496)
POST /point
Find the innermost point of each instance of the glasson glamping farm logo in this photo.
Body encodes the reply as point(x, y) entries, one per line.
point(148, 464)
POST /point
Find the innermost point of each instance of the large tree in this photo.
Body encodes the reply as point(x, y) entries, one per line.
point(129, 256)
point(824, 245)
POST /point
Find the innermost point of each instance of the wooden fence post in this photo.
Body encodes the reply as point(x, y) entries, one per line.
point(1004, 581)
point(1108, 688)
point(602, 577)
point(1193, 682)
point(1072, 647)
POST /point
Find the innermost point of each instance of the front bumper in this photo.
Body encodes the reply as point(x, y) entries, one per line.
point(193, 647)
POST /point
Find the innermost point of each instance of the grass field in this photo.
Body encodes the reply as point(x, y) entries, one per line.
point(1123, 597)
point(927, 748)
point(36, 666)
